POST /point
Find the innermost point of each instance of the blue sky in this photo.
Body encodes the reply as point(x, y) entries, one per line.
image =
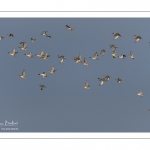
point(64, 106)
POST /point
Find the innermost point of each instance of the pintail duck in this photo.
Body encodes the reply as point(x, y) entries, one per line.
point(29, 55)
point(102, 80)
point(69, 28)
point(1, 37)
point(139, 93)
point(44, 33)
point(13, 53)
point(116, 35)
point(95, 57)
point(40, 55)
point(22, 75)
point(119, 80)
point(106, 77)
point(137, 38)
point(62, 58)
point(84, 62)
point(102, 52)
point(113, 46)
point(24, 46)
point(131, 55)
point(122, 56)
point(52, 70)
point(42, 86)
point(78, 59)
point(45, 57)
point(43, 75)
point(33, 40)
point(48, 36)
point(114, 53)
point(10, 35)
point(86, 86)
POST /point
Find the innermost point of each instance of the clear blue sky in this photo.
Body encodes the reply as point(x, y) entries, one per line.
point(65, 106)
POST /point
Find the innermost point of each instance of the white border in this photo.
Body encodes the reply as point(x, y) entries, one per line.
point(59, 135)
point(74, 14)
point(74, 5)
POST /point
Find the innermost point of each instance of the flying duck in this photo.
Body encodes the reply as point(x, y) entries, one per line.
point(86, 86)
point(114, 53)
point(95, 57)
point(44, 33)
point(33, 40)
point(29, 55)
point(116, 35)
point(1, 37)
point(52, 70)
point(48, 36)
point(131, 55)
point(137, 38)
point(22, 75)
point(24, 46)
point(43, 75)
point(78, 59)
point(113, 46)
point(106, 78)
point(139, 93)
point(10, 35)
point(119, 80)
point(42, 86)
point(102, 80)
point(40, 55)
point(13, 53)
point(69, 28)
point(122, 56)
point(62, 58)
point(84, 62)
point(45, 57)
point(102, 52)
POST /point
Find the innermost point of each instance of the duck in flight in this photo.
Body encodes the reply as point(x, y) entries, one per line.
point(122, 56)
point(40, 55)
point(45, 57)
point(43, 75)
point(102, 80)
point(116, 35)
point(95, 57)
point(52, 70)
point(29, 55)
point(139, 93)
point(137, 38)
point(131, 55)
point(44, 32)
point(10, 35)
point(78, 59)
point(119, 80)
point(103, 51)
point(84, 62)
point(22, 75)
point(33, 40)
point(62, 58)
point(1, 37)
point(69, 28)
point(13, 53)
point(42, 86)
point(86, 86)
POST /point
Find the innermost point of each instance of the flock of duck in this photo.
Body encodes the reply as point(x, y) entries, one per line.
point(77, 59)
